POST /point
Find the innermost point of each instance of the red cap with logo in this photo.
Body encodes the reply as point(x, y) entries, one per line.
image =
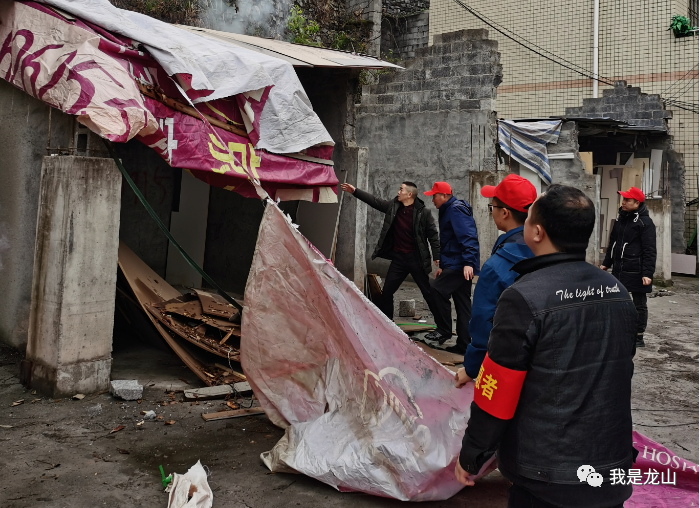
point(514, 191)
point(633, 193)
point(439, 188)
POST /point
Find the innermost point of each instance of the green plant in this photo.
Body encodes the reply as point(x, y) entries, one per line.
point(681, 26)
point(301, 29)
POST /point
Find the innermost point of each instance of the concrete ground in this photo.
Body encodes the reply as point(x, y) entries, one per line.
point(60, 453)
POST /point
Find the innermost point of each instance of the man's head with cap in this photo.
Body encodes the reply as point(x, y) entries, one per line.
point(510, 200)
point(441, 193)
point(631, 199)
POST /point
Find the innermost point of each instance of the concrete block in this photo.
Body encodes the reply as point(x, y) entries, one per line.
point(469, 105)
point(385, 99)
point(407, 308)
point(75, 259)
point(429, 106)
point(126, 389)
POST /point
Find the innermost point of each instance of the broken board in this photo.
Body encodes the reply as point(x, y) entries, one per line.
point(217, 392)
point(215, 305)
point(442, 356)
point(236, 413)
point(150, 289)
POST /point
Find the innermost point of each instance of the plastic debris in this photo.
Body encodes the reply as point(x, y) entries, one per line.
point(190, 490)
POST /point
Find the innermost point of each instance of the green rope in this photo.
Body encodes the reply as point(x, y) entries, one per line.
point(166, 232)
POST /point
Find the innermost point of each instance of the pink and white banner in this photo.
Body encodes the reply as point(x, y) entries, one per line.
point(84, 70)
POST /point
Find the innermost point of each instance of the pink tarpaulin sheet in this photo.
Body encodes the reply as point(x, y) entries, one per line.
point(84, 70)
point(657, 464)
point(363, 408)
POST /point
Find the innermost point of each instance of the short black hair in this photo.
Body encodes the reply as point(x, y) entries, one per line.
point(517, 215)
point(411, 184)
point(567, 215)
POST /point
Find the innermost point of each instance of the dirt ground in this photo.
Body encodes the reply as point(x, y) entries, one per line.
point(60, 453)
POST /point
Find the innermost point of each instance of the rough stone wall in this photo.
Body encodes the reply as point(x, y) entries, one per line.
point(432, 121)
point(403, 35)
point(626, 103)
point(403, 7)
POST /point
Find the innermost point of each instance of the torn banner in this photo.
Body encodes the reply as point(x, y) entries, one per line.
point(83, 70)
point(364, 408)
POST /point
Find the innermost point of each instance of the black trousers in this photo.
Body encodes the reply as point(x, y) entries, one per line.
point(518, 497)
point(640, 303)
point(452, 284)
point(401, 266)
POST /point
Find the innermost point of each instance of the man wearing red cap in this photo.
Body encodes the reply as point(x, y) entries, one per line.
point(509, 203)
point(459, 262)
point(632, 253)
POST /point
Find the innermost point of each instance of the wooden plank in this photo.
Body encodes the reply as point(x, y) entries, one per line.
point(375, 289)
point(217, 392)
point(190, 306)
point(415, 327)
point(240, 378)
point(236, 413)
point(442, 356)
point(215, 305)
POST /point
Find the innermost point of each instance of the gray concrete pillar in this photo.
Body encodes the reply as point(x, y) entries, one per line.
point(75, 269)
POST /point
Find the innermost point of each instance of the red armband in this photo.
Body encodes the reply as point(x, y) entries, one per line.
point(497, 389)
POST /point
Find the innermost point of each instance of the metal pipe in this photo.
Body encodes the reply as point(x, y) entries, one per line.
point(596, 16)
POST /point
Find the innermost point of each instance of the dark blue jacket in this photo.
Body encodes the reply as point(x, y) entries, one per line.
point(459, 243)
point(495, 277)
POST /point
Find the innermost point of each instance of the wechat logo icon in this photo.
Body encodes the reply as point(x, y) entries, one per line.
point(587, 474)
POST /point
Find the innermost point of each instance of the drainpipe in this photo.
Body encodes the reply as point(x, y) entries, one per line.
point(596, 12)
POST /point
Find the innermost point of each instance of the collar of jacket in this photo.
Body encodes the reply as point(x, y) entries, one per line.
point(539, 262)
point(502, 238)
point(447, 204)
point(639, 212)
point(417, 203)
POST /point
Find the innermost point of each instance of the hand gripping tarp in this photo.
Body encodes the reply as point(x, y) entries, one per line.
point(363, 407)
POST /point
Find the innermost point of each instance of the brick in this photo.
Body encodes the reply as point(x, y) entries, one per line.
point(469, 105)
point(409, 108)
point(429, 106)
point(394, 87)
point(469, 81)
point(450, 83)
point(413, 86)
point(461, 47)
point(385, 99)
point(445, 105)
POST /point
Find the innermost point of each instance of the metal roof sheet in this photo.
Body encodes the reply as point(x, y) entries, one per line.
point(296, 54)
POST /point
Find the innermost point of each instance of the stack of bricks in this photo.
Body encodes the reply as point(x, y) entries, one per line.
point(402, 36)
point(628, 104)
point(460, 71)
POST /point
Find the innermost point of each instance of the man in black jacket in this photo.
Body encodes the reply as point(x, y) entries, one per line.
point(407, 230)
point(552, 397)
point(632, 253)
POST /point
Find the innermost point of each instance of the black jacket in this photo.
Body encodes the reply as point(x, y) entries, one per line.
point(424, 228)
point(632, 249)
point(568, 328)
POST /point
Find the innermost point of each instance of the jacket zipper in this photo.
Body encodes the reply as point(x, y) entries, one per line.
point(622, 256)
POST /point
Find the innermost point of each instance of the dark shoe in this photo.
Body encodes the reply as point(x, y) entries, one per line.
point(436, 336)
point(456, 350)
point(640, 341)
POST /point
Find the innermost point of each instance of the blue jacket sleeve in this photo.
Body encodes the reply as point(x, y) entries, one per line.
point(488, 291)
point(465, 233)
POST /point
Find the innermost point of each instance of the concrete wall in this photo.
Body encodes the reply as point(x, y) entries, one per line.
point(660, 213)
point(24, 134)
point(432, 121)
point(403, 7)
point(75, 272)
point(402, 35)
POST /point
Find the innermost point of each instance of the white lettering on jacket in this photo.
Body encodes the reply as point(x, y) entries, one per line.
point(568, 294)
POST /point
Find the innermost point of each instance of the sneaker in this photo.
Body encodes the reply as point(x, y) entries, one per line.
point(436, 336)
point(456, 350)
point(640, 341)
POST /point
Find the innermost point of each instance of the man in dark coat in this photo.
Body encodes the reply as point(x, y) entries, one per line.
point(553, 396)
point(632, 253)
point(459, 263)
point(408, 229)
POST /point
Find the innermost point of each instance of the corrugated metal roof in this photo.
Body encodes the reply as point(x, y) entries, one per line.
point(296, 54)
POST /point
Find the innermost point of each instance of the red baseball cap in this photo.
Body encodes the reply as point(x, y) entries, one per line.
point(633, 193)
point(514, 191)
point(439, 188)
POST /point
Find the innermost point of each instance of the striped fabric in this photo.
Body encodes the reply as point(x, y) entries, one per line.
point(526, 142)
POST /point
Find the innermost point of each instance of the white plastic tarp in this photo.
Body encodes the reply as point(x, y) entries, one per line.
point(288, 123)
point(364, 408)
